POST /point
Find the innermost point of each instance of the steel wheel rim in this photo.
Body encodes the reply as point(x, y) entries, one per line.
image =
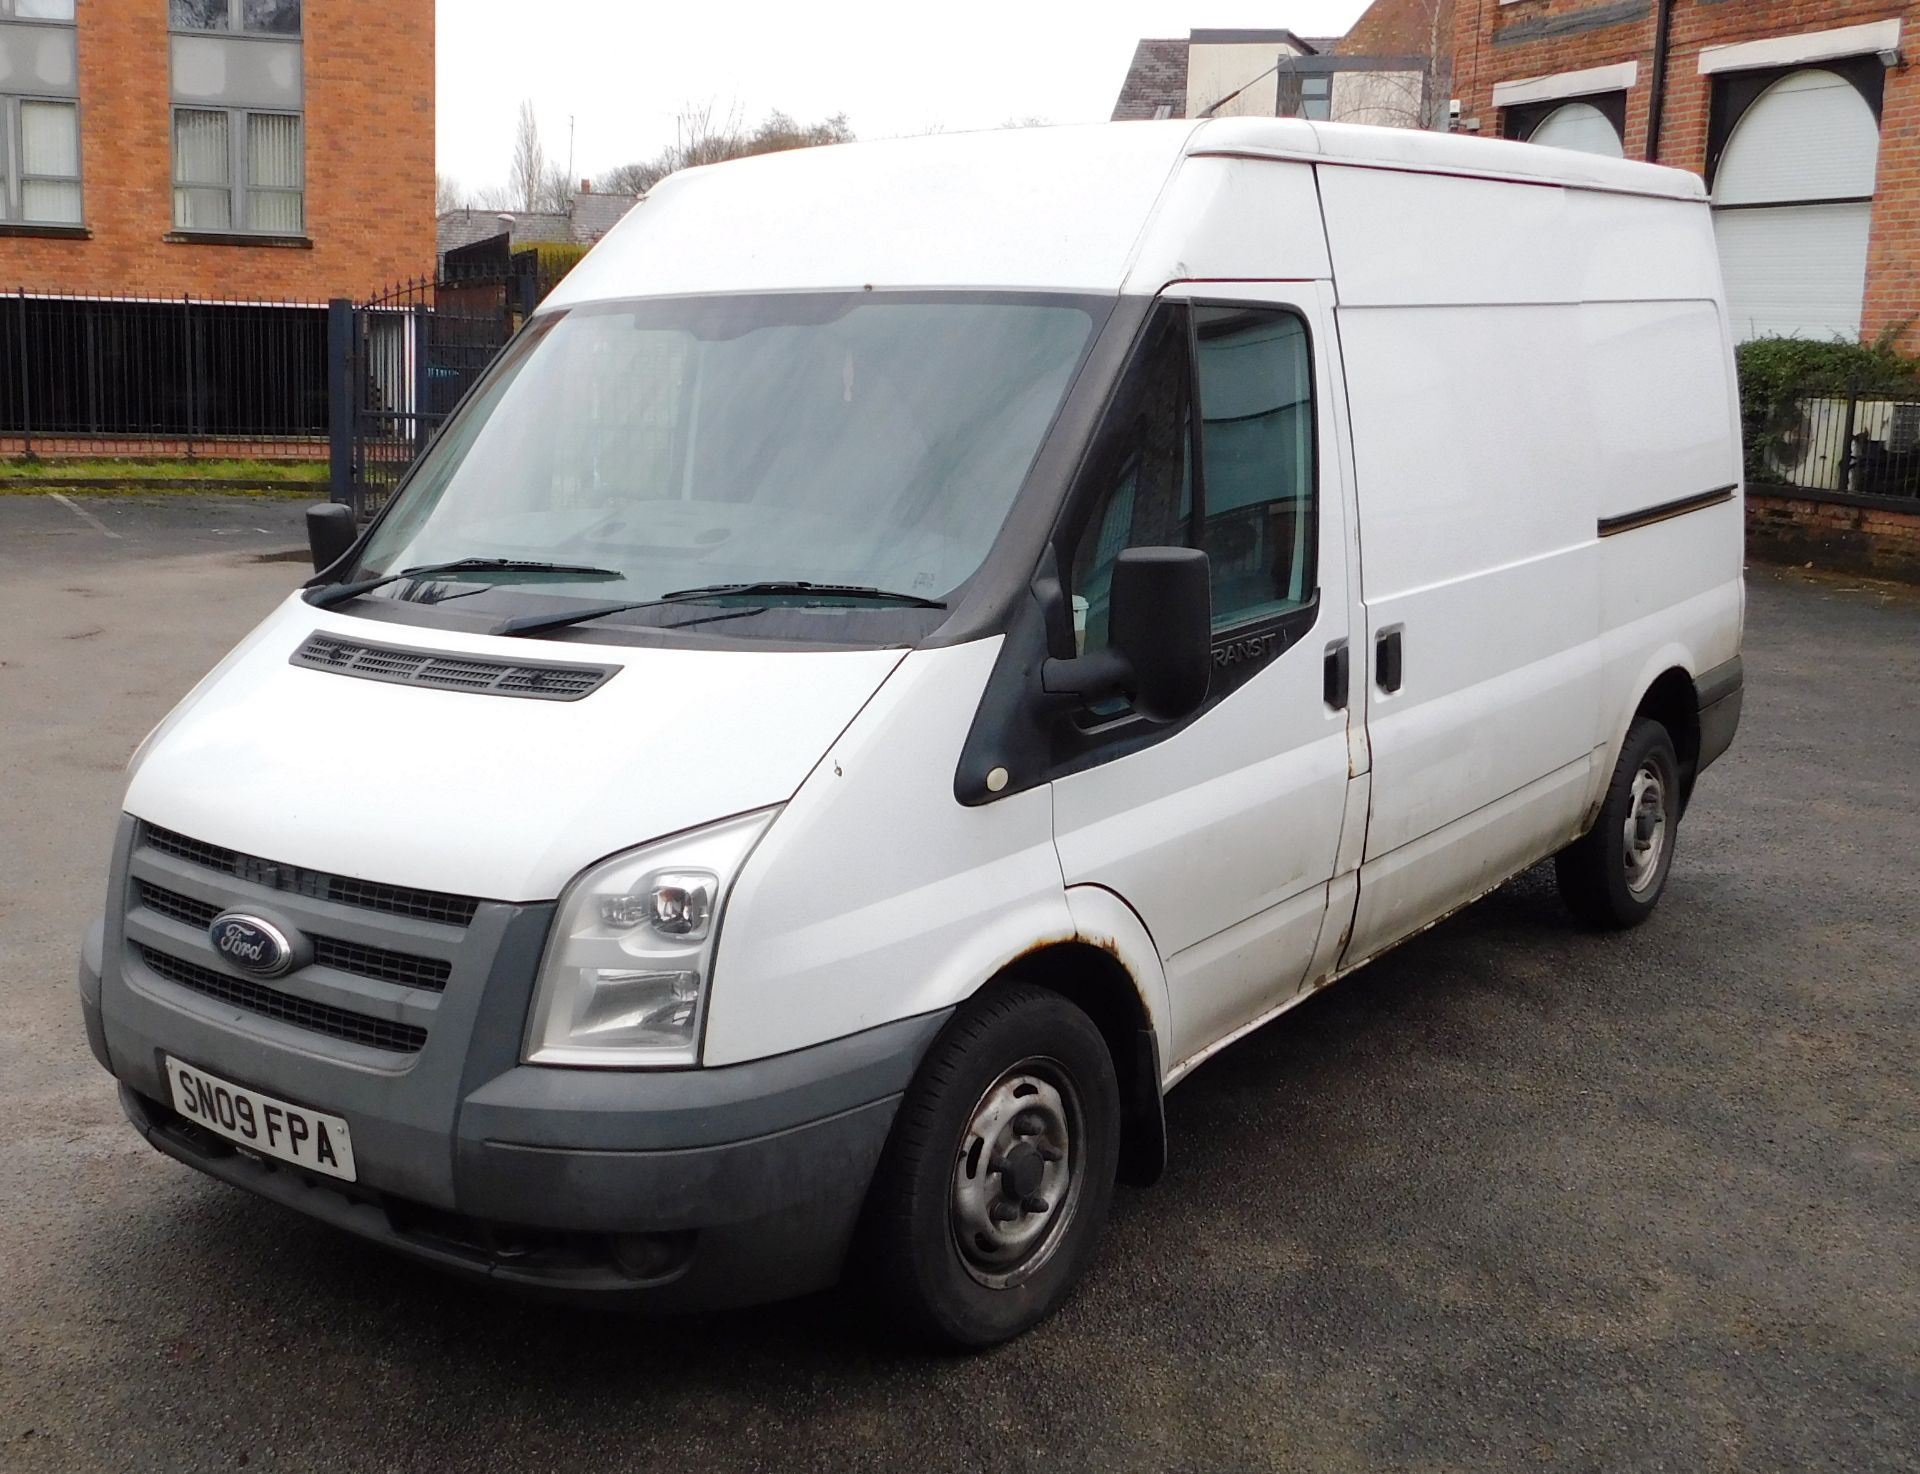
point(1016, 1178)
point(1645, 828)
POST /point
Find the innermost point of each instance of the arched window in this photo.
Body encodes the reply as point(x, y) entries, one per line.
point(1793, 201)
point(1580, 126)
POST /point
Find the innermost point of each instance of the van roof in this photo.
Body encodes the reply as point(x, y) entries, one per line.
point(1042, 209)
point(1421, 152)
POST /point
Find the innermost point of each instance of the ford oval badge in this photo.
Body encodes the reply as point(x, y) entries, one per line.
point(251, 944)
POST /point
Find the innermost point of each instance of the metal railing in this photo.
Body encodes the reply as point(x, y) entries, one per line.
point(192, 377)
point(1853, 439)
point(412, 352)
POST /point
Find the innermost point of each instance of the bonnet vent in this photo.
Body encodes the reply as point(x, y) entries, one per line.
point(443, 672)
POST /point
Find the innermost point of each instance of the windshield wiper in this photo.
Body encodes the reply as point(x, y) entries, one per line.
point(339, 593)
point(531, 624)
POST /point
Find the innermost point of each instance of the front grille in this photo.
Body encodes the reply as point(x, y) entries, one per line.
point(537, 679)
point(176, 907)
point(321, 1018)
point(378, 962)
point(396, 900)
point(358, 958)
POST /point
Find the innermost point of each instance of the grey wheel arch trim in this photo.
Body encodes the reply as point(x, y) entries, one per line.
point(1719, 693)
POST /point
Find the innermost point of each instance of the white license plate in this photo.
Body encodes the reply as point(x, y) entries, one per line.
point(310, 1139)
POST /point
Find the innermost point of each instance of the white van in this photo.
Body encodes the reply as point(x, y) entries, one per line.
point(915, 647)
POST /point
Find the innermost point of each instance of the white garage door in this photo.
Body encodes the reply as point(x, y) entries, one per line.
point(1791, 209)
point(1580, 126)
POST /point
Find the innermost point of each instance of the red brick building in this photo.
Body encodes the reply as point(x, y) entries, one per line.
point(264, 148)
point(1803, 116)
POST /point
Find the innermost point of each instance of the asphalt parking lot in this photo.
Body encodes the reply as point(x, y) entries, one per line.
point(1515, 1197)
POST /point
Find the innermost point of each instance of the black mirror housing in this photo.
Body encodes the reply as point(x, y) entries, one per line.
point(1159, 637)
point(331, 531)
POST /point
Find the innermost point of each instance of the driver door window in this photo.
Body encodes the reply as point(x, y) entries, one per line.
point(1242, 488)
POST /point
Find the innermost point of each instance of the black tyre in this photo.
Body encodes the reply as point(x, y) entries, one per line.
point(1612, 879)
point(995, 1184)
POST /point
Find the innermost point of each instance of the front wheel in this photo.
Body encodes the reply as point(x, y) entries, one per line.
point(995, 1184)
point(1612, 879)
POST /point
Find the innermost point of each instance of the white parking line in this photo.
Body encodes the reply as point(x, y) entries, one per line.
point(83, 514)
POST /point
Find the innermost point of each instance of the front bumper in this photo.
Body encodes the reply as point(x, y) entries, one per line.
point(729, 1222)
point(671, 1189)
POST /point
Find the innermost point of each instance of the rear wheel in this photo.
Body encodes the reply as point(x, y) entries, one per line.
point(994, 1187)
point(1613, 878)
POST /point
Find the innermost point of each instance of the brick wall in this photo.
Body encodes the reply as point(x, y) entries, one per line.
point(1879, 538)
point(369, 163)
point(1498, 43)
point(1402, 28)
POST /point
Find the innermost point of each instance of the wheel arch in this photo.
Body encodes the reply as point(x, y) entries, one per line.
point(1672, 699)
point(1092, 971)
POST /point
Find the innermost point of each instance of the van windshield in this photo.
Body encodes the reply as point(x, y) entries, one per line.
point(859, 440)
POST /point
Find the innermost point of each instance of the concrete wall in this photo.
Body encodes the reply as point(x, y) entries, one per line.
point(1215, 69)
point(1385, 99)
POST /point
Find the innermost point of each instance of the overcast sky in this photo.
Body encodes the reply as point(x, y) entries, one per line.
point(622, 70)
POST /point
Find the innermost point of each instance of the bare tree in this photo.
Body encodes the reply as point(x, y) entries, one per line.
point(1415, 97)
point(534, 183)
point(448, 194)
point(701, 139)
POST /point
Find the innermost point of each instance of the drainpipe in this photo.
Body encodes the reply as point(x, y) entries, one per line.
point(1657, 94)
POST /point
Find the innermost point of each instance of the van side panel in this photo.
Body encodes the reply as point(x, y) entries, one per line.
point(1531, 361)
point(875, 896)
point(1671, 593)
point(1478, 551)
point(1232, 220)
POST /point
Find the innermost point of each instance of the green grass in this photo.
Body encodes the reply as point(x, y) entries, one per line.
point(144, 474)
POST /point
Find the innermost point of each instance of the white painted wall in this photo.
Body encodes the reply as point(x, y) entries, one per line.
point(1383, 99)
point(1215, 70)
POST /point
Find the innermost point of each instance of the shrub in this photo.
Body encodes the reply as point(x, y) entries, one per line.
point(1775, 372)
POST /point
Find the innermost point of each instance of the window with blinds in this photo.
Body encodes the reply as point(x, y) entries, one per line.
point(39, 115)
point(276, 160)
point(41, 158)
point(239, 136)
point(235, 170)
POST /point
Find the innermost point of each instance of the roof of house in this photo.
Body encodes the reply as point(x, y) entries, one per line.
point(589, 217)
point(457, 228)
point(596, 214)
point(1157, 78)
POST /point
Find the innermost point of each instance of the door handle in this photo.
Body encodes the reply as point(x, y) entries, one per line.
point(1386, 660)
point(1335, 676)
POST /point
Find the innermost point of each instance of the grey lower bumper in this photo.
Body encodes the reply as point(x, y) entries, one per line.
point(1720, 692)
point(699, 1229)
point(669, 1190)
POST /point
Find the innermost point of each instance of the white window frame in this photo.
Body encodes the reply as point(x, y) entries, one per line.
point(1807, 49)
point(13, 175)
point(240, 188)
point(9, 10)
point(1586, 82)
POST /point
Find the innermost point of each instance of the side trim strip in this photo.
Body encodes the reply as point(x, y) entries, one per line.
point(1647, 516)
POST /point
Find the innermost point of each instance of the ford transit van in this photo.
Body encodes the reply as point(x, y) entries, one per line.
point(912, 649)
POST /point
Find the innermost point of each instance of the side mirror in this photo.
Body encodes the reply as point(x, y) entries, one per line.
point(1159, 637)
point(331, 530)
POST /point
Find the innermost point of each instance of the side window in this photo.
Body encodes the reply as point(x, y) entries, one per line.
point(1256, 461)
point(1249, 502)
point(1144, 464)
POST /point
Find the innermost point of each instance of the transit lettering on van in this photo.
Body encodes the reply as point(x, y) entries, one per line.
point(884, 710)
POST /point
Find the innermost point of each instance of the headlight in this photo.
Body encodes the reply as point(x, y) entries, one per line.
point(624, 979)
